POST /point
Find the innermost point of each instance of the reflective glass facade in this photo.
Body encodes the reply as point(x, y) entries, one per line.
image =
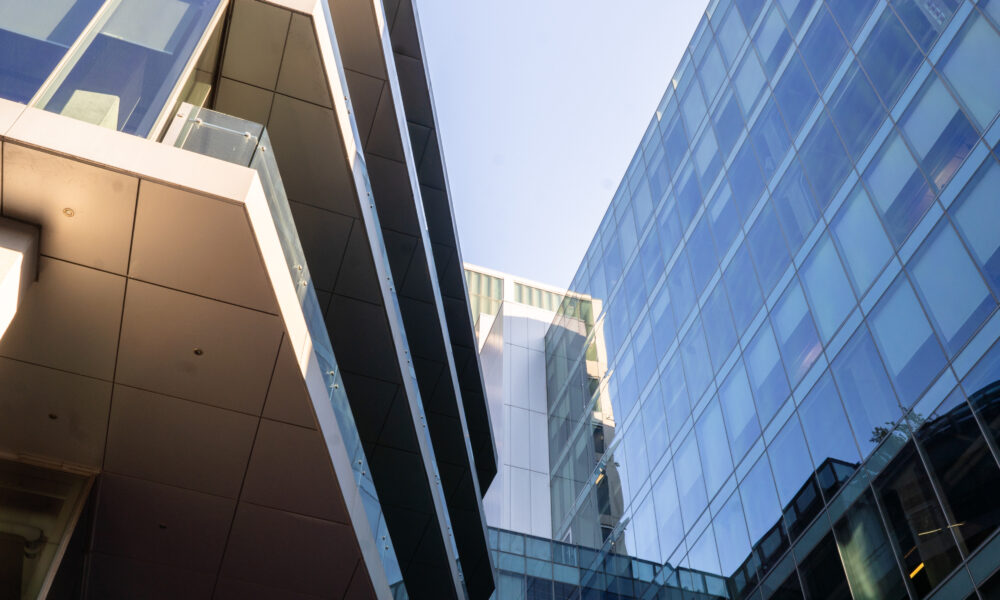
point(797, 284)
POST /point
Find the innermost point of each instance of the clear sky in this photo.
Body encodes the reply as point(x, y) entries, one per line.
point(540, 105)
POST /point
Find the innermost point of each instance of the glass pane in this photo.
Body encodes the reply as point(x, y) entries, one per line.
point(678, 406)
point(749, 9)
point(912, 353)
point(701, 251)
point(712, 72)
point(715, 459)
point(731, 35)
point(681, 289)
point(770, 138)
point(728, 123)
point(951, 287)
point(975, 214)
point(796, 333)
point(851, 14)
point(767, 377)
point(738, 408)
point(974, 79)
point(861, 240)
point(965, 470)
point(867, 554)
point(794, 205)
point(725, 219)
point(749, 82)
point(824, 160)
point(760, 501)
point(668, 515)
point(767, 245)
point(741, 283)
point(868, 396)
point(697, 366)
point(772, 40)
point(827, 432)
point(122, 77)
point(35, 38)
point(746, 180)
point(690, 485)
point(790, 461)
point(731, 535)
point(890, 57)
point(707, 159)
point(693, 109)
point(823, 47)
point(924, 24)
point(662, 317)
point(822, 573)
point(718, 326)
point(856, 110)
point(654, 424)
point(795, 94)
point(918, 527)
point(827, 287)
point(938, 132)
point(900, 191)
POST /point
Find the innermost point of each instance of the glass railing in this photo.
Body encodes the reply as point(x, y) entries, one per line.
point(246, 143)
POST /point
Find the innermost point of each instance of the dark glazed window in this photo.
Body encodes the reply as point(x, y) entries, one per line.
point(890, 57)
point(867, 554)
point(827, 432)
point(746, 180)
point(795, 94)
point(822, 573)
point(919, 529)
point(741, 283)
point(767, 245)
point(794, 204)
point(856, 110)
point(964, 468)
point(718, 326)
point(851, 14)
point(760, 502)
point(770, 388)
point(824, 160)
point(823, 47)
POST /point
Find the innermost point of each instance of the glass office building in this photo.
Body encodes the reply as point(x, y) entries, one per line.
point(798, 281)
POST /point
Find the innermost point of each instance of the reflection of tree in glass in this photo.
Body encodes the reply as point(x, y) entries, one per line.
point(913, 422)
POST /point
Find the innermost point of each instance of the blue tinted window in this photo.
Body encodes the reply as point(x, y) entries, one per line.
point(924, 24)
point(767, 378)
point(824, 159)
point(652, 258)
point(796, 333)
point(795, 94)
point(976, 214)
point(645, 353)
point(861, 240)
point(693, 109)
point(794, 205)
point(772, 40)
point(668, 517)
point(697, 366)
point(642, 200)
point(973, 78)
point(731, 535)
point(770, 138)
point(890, 57)
point(690, 485)
point(760, 501)
point(749, 9)
point(728, 123)
point(827, 287)
point(825, 424)
point(938, 131)
point(669, 228)
point(789, 460)
point(681, 288)
point(647, 545)
point(731, 35)
point(34, 40)
point(795, 12)
point(673, 387)
point(635, 449)
point(856, 110)
point(738, 408)
point(746, 180)
point(912, 353)
point(129, 68)
point(725, 219)
point(664, 330)
point(655, 427)
point(718, 325)
point(625, 389)
point(715, 457)
point(712, 72)
point(900, 191)
point(627, 234)
point(851, 14)
point(688, 195)
point(701, 251)
point(675, 143)
point(659, 174)
point(951, 287)
point(823, 47)
point(634, 290)
point(767, 245)
point(741, 283)
point(749, 82)
point(707, 159)
point(866, 391)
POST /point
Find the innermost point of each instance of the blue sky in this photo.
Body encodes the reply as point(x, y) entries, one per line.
point(540, 105)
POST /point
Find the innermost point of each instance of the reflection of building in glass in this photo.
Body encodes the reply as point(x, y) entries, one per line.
point(795, 276)
point(218, 381)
